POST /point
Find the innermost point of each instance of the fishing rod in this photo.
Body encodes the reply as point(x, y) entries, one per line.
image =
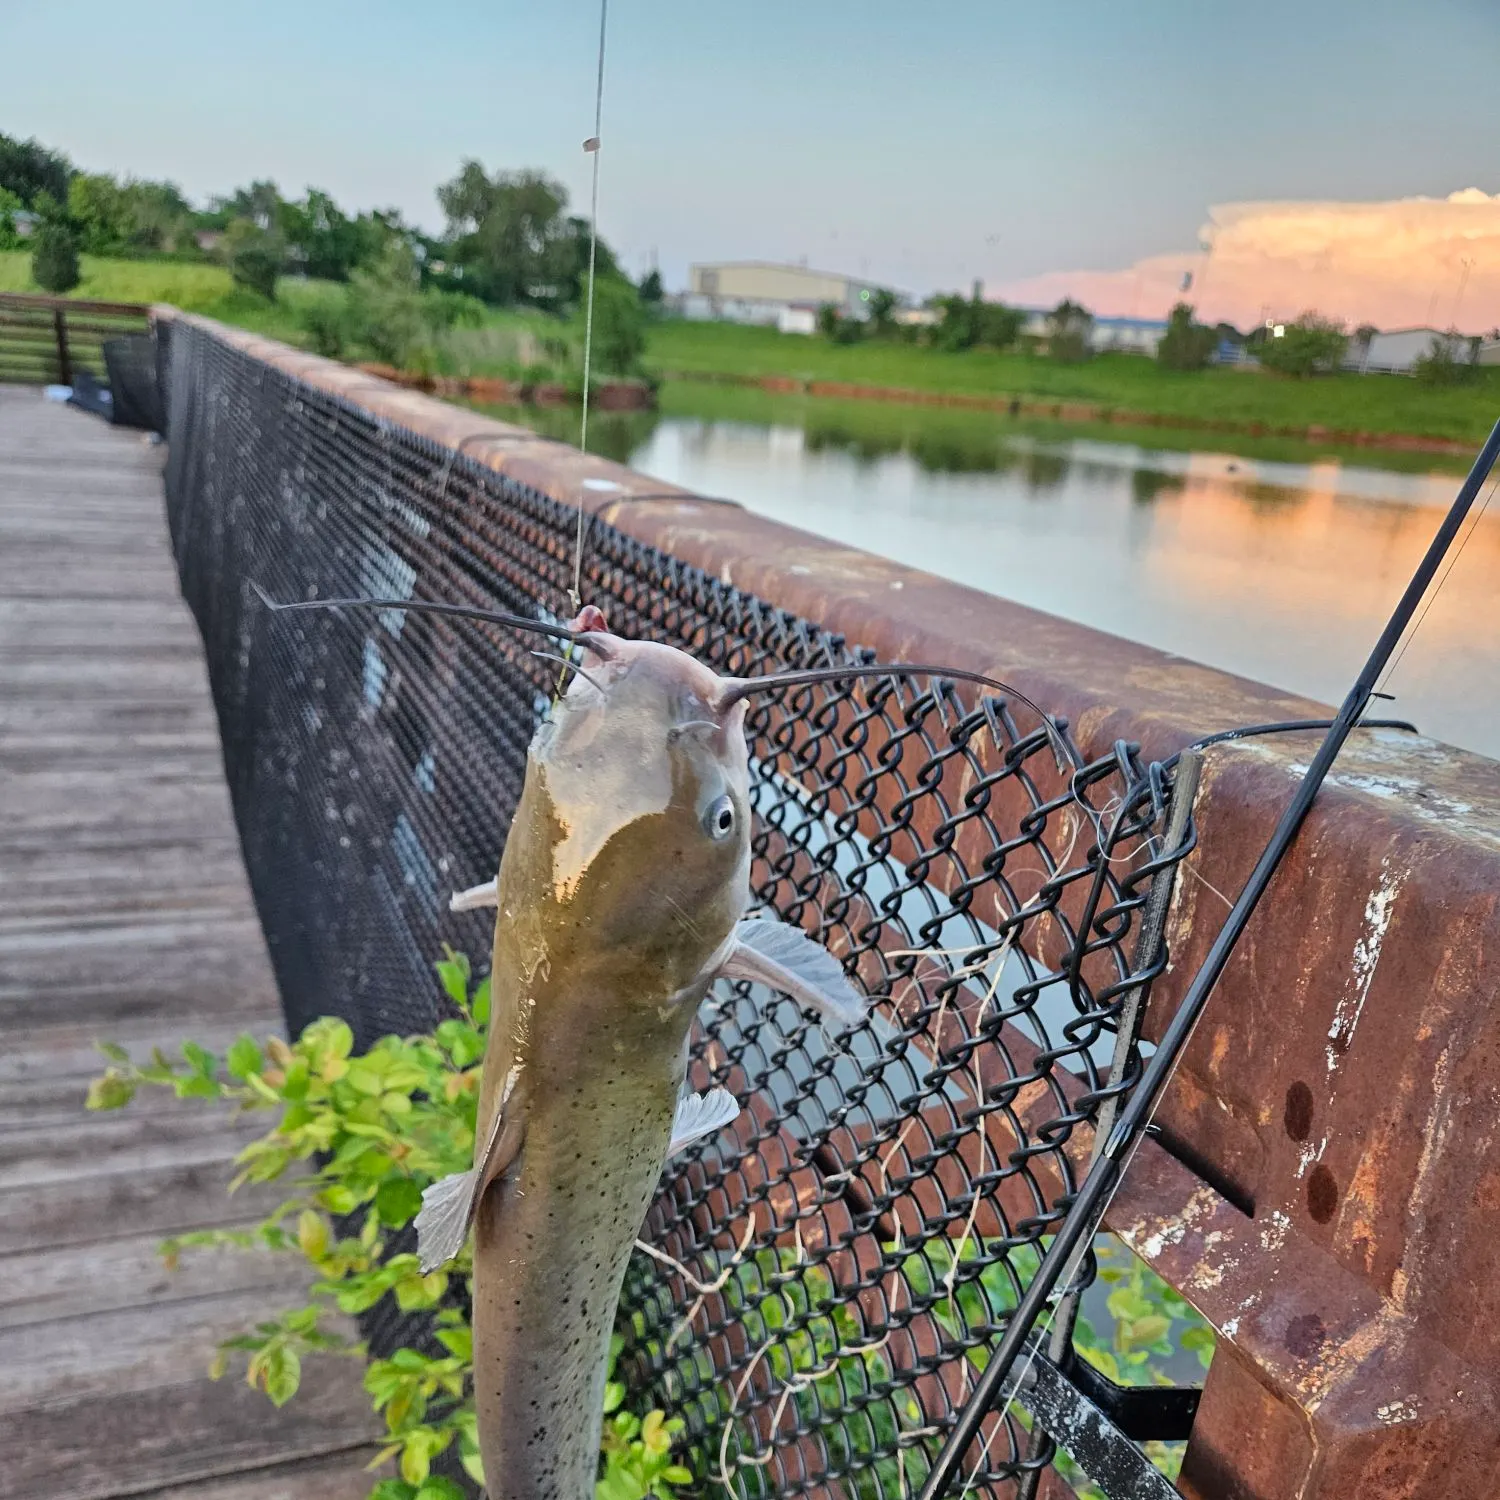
point(1087, 1209)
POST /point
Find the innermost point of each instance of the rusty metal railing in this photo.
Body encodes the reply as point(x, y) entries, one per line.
point(1313, 1190)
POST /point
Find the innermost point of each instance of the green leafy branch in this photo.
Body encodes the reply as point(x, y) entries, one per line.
point(358, 1138)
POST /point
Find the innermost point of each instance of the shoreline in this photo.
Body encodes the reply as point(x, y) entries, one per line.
point(1072, 411)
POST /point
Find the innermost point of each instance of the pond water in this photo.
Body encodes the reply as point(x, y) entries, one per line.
point(1279, 561)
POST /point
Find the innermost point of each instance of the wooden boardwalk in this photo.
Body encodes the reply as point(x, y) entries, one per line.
point(124, 914)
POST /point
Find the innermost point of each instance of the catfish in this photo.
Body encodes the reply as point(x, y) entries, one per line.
point(621, 897)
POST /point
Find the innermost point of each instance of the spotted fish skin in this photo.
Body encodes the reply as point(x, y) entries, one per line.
point(620, 899)
point(617, 890)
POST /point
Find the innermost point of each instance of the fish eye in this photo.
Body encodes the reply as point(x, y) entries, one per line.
point(718, 821)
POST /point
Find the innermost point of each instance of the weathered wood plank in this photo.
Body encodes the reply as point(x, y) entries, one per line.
point(340, 1476)
point(158, 1344)
point(163, 1201)
point(83, 1280)
point(108, 1143)
point(125, 913)
point(130, 1441)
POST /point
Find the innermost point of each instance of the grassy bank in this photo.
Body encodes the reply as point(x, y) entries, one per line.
point(508, 342)
point(952, 440)
point(504, 344)
point(1116, 382)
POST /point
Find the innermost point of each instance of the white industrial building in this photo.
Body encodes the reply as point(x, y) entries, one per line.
point(759, 291)
point(1397, 351)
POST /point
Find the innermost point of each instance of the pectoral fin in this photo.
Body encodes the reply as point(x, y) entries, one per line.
point(699, 1115)
point(449, 1205)
point(784, 958)
point(475, 897)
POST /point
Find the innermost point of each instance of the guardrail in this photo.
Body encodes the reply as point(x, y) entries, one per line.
point(44, 340)
point(1322, 1186)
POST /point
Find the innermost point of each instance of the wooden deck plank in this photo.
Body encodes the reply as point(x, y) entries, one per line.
point(125, 914)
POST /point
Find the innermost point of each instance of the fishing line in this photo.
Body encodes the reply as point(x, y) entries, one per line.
point(1452, 563)
point(592, 147)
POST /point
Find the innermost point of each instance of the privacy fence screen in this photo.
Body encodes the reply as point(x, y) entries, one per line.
point(831, 1271)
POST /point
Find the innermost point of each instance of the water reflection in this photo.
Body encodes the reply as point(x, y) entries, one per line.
point(1279, 570)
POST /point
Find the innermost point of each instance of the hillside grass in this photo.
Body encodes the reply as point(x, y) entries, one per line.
point(498, 347)
point(1120, 382)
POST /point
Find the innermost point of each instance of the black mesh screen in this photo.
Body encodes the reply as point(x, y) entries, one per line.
point(830, 1271)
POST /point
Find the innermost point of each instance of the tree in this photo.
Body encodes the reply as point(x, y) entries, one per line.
point(882, 307)
point(1068, 327)
point(10, 206)
point(54, 262)
point(972, 323)
point(512, 238)
point(651, 288)
point(28, 169)
point(1186, 345)
point(326, 243)
point(1311, 345)
point(255, 256)
point(619, 327)
point(828, 319)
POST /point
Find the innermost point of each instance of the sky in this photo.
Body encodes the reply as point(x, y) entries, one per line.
point(922, 146)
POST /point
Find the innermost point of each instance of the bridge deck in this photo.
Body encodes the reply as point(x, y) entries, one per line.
point(125, 914)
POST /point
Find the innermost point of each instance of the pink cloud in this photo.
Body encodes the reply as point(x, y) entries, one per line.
point(1413, 261)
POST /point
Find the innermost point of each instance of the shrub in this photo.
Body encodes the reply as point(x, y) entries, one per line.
point(619, 327)
point(325, 321)
point(1449, 360)
point(1186, 345)
point(255, 257)
point(1312, 345)
point(1068, 327)
point(54, 262)
point(367, 1132)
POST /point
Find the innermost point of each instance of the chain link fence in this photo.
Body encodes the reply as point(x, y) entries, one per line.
point(822, 1280)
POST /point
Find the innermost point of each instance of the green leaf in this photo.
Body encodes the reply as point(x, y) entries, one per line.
point(312, 1234)
point(110, 1092)
point(244, 1056)
point(464, 1044)
point(438, 1488)
point(459, 1342)
point(114, 1051)
point(364, 1078)
point(200, 1059)
point(283, 1374)
point(339, 1199)
point(197, 1086)
point(393, 1489)
point(453, 972)
point(481, 1004)
point(397, 1201)
point(1145, 1330)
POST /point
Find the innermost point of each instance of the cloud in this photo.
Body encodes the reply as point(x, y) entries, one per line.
point(1409, 262)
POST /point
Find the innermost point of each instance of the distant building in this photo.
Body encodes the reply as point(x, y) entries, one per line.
point(207, 240)
point(758, 291)
point(25, 222)
point(1117, 335)
point(1397, 351)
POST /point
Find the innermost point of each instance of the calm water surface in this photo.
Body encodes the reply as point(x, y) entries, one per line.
point(1280, 565)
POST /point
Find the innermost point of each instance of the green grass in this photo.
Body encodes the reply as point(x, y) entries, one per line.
point(1124, 382)
point(951, 439)
point(207, 289)
point(1116, 382)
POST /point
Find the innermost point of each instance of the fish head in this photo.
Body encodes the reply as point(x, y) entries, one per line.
point(646, 783)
